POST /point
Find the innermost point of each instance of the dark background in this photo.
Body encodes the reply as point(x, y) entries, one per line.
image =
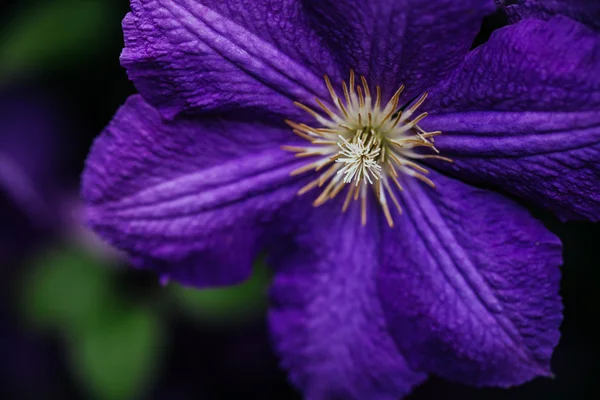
point(64, 335)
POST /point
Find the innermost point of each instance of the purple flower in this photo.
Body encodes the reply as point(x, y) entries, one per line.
point(28, 125)
point(586, 11)
point(197, 176)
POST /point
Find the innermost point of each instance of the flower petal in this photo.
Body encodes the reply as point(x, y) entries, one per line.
point(28, 151)
point(586, 11)
point(189, 198)
point(415, 42)
point(198, 56)
point(523, 113)
point(469, 284)
point(326, 320)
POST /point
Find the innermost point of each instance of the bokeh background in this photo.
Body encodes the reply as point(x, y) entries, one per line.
point(77, 323)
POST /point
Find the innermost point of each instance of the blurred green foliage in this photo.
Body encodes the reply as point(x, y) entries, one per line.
point(53, 33)
point(66, 288)
point(228, 305)
point(115, 346)
point(118, 359)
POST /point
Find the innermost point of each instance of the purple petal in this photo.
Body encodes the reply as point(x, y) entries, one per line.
point(198, 56)
point(326, 320)
point(469, 284)
point(586, 11)
point(189, 198)
point(523, 113)
point(415, 42)
point(30, 122)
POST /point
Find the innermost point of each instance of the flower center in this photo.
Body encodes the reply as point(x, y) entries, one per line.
point(364, 144)
point(360, 158)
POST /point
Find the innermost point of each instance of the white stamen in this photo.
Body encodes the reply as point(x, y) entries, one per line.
point(361, 162)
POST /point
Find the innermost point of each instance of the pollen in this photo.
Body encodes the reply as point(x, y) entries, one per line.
point(359, 145)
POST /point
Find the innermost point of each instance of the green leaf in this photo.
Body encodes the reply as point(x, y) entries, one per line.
point(229, 305)
point(114, 348)
point(57, 32)
point(65, 289)
point(119, 359)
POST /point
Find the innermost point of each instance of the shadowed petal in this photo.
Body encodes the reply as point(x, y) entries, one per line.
point(326, 319)
point(198, 56)
point(523, 113)
point(30, 122)
point(415, 42)
point(189, 198)
point(469, 284)
point(586, 11)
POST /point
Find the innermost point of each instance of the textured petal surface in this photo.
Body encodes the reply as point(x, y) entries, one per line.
point(415, 42)
point(586, 11)
point(469, 284)
point(201, 55)
point(326, 320)
point(523, 113)
point(188, 198)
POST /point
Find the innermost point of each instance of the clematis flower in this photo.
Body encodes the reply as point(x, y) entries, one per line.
point(310, 130)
